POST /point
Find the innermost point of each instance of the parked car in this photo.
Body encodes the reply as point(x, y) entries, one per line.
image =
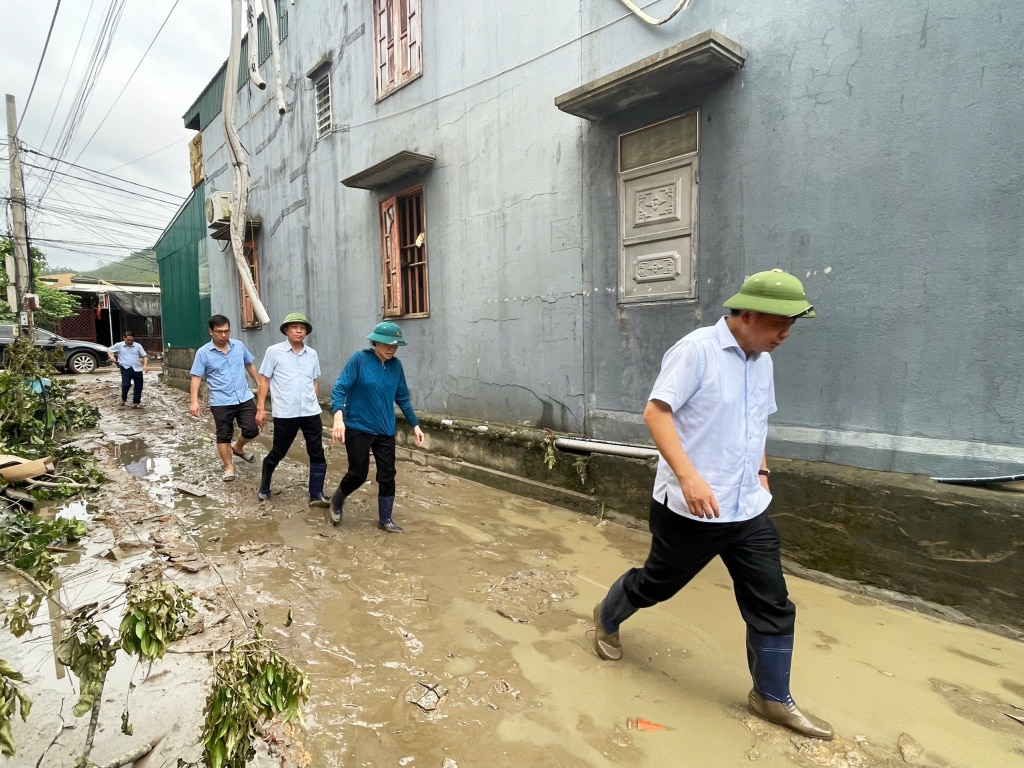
point(78, 356)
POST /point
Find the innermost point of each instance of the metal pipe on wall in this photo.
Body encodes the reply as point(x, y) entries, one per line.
point(607, 447)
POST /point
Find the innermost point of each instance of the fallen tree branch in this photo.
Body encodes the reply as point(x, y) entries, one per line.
point(130, 757)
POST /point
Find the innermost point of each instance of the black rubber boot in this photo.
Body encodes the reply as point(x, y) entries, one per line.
point(385, 505)
point(317, 476)
point(337, 505)
point(268, 473)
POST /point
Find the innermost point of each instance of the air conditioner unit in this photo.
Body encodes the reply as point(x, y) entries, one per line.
point(218, 208)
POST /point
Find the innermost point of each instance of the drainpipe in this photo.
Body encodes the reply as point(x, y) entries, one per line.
point(607, 447)
point(239, 161)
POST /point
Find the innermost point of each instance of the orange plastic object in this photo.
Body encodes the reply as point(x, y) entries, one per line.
point(639, 724)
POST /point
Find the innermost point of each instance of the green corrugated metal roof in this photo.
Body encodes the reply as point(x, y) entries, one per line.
point(208, 105)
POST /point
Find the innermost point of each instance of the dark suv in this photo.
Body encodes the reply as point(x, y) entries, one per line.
point(79, 356)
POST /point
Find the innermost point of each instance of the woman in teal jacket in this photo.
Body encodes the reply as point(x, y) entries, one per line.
point(363, 402)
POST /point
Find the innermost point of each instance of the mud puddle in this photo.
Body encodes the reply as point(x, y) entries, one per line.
point(468, 637)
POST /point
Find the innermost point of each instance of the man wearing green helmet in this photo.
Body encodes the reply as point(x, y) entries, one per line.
point(290, 372)
point(708, 415)
point(363, 401)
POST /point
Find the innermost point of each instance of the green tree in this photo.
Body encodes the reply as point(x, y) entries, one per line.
point(53, 304)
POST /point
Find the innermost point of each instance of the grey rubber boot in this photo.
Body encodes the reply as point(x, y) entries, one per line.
point(385, 504)
point(608, 615)
point(771, 658)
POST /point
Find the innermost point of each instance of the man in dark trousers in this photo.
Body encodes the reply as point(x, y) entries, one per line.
point(708, 416)
point(131, 358)
point(363, 401)
point(290, 373)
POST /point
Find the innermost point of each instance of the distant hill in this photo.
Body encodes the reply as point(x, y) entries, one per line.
point(140, 267)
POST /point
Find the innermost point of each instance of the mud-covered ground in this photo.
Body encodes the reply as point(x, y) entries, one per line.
point(466, 641)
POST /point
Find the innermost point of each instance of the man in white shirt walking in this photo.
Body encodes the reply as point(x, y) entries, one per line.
point(289, 372)
point(708, 415)
point(131, 358)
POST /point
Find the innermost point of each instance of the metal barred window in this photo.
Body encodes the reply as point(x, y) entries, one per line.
point(322, 90)
point(404, 255)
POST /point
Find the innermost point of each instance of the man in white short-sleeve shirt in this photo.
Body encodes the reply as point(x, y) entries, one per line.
point(133, 362)
point(290, 373)
point(708, 415)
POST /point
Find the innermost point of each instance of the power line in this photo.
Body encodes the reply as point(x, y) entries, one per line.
point(71, 67)
point(130, 77)
point(39, 68)
point(101, 48)
point(154, 152)
point(101, 173)
point(54, 172)
point(76, 215)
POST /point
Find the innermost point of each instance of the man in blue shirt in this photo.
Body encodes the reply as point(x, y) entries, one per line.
point(223, 362)
point(290, 373)
point(708, 416)
point(134, 364)
point(363, 402)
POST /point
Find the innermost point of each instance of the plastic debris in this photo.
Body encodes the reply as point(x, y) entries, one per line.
point(639, 724)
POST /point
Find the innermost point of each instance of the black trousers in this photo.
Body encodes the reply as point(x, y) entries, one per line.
point(680, 548)
point(130, 376)
point(285, 431)
point(358, 445)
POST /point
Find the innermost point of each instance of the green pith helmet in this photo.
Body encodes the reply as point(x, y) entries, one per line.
point(387, 333)
point(774, 293)
point(296, 317)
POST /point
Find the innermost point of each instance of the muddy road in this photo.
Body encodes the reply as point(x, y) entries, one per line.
point(466, 641)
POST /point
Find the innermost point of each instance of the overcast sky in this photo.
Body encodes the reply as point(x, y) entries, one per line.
point(141, 138)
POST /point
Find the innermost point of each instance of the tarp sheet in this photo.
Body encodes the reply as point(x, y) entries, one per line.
point(142, 304)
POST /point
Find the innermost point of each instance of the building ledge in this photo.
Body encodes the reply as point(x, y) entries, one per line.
point(697, 61)
point(394, 168)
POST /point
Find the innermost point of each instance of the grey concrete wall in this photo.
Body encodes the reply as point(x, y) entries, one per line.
point(875, 155)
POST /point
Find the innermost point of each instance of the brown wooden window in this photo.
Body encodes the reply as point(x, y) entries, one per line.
point(398, 52)
point(249, 318)
point(404, 255)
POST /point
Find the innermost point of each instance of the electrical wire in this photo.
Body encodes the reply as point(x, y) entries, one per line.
point(101, 173)
point(101, 48)
point(130, 77)
point(71, 68)
point(99, 184)
point(154, 152)
point(38, 68)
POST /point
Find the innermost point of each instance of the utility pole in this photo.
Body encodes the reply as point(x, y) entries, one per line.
point(17, 264)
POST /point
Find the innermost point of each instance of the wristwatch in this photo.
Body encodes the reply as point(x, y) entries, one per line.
point(764, 472)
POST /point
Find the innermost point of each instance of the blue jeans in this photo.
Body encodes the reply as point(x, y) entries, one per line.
point(130, 376)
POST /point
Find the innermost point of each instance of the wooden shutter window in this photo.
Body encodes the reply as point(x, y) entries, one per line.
point(249, 318)
point(391, 255)
point(398, 52)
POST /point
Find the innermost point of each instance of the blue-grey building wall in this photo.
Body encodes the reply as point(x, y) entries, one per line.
point(875, 155)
